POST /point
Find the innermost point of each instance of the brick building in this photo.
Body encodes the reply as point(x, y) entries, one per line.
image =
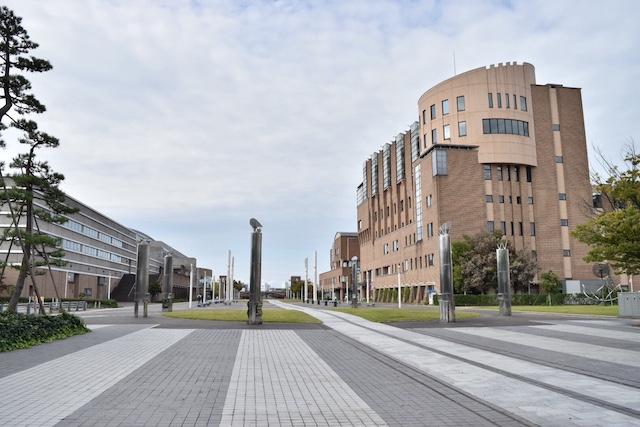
point(335, 281)
point(491, 150)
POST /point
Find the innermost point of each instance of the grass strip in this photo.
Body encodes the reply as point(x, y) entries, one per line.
point(391, 315)
point(588, 310)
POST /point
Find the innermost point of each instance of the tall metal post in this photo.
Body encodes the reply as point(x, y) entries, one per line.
point(255, 297)
point(315, 275)
point(447, 305)
point(367, 285)
point(306, 280)
point(504, 280)
point(142, 279)
point(192, 276)
point(399, 287)
point(167, 303)
point(355, 264)
point(227, 296)
point(190, 285)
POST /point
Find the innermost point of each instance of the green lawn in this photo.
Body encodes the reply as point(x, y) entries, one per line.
point(597, 310)
point(390, 315)
point(268, 316)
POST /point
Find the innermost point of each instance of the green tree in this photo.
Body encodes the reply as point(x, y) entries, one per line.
point(296, 287)
point(475, 267)
point(237, 285)
point(614, 234)
point(32, 183)
point(155, 289)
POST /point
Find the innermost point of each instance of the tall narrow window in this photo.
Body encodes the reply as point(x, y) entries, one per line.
point(434, 136)
point(533, 228)
point(433, 111)
point(487, 172)
point(503, 228)
point(446, 130)
point(426, 140)
point(490, 100)
point(506, 98)
point(462, 128)
point(445, 107)
point(499, 170)
point(424, 116)
point(499, 100)
point(528, 173)
point(460, 101)
point(515, 102)
point(523, 103)
point(490, 226)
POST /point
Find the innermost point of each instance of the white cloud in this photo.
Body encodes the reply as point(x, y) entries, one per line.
point(186, 118)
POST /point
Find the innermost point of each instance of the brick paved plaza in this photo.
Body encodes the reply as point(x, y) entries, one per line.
point(508, 371)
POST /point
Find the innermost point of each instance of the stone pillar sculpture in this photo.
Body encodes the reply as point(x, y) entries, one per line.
point(504, 280)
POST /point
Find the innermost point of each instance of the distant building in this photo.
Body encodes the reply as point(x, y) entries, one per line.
point(99, 252)
point(334, 282)
point(492, 150)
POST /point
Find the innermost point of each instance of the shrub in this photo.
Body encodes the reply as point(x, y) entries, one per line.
point(18, 330)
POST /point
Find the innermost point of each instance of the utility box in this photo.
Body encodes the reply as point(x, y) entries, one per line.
point(629, 304)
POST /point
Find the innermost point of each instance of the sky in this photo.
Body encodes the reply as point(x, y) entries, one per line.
point(184, 119)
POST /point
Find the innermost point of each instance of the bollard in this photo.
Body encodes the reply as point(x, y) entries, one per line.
point(325, 303)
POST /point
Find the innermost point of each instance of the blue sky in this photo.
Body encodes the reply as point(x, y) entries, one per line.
point(184, 119)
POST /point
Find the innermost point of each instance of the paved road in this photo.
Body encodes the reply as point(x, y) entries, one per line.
point(509, 371)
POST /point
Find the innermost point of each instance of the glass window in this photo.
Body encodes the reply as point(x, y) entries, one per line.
point(490, 100)
point(499, 169)
point(564, 222)
point(487, 172)
point(528, 173)
point(516, 171)
point(429, 200)
point(506, 98)
point(559, 159)
point(520, 229)
point(433, 111)
point(566, 253)
point(530, 200)
point(431, 259)
point(515, 102)
point(532, 225)
point(508, 126)
point(486, 126)
point(499, 100)
point(503, 228)
point(434, 136)
point(501, 128)
point(494, 125)
point(518, 200)
point(488, 198)
point(555, 127)
point(490, 226)
point(523, 103)
point(462, 128)
point(501, 199)
point(445, 107)
point(446, 130)
point(426, 141)
point(424, 116)
point(563, 196)
point(460, 101)
point(439, 162)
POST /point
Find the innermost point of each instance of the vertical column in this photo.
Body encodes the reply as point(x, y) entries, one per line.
point(447, 305)
point(255, 298)
point(142, 278)
point(167, 303)
point(504, 280)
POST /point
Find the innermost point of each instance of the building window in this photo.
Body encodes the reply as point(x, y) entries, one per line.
point(516, 171)
point(446, 130)
point(501, 199)
point(460, 101)
point(523, 103)
point(505, 126)
point(87, 292)
point(431, 260)
point(396, 246)
point(424, 116)
point(385, 248)
point(433, 111)
point(401, 205)
point(532, 226)
point(360, 225)
point(434, 136)
point(499, 100)
point(503, 228)
point(426, 141)
point(508, 173)
point(490, 100)
point(518, 200)
point(566, 253)
point(462, 128)
point(562, 196)
point(528, 173)
point(490, 226)
point(530, 200)
point(506, 98)
point(499, 171)
point(555, 127)
point(515, 102)
point(445, 107)
point(559, 159)
point(520, 229)
point(487, 172)
point(430, 229)
point(534, 255)
point(488, 198)
point(429, 200)
point(564, 223)
point(439, 162)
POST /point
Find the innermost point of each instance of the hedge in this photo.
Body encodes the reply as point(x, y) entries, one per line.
point(18, 330)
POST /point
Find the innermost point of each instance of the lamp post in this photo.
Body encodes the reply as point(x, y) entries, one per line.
point(355, 264)
point(255, 299)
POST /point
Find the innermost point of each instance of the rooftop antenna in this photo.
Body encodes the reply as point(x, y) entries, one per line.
point(454, 62)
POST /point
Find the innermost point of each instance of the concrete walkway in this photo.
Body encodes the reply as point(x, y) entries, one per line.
point(155, 371)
